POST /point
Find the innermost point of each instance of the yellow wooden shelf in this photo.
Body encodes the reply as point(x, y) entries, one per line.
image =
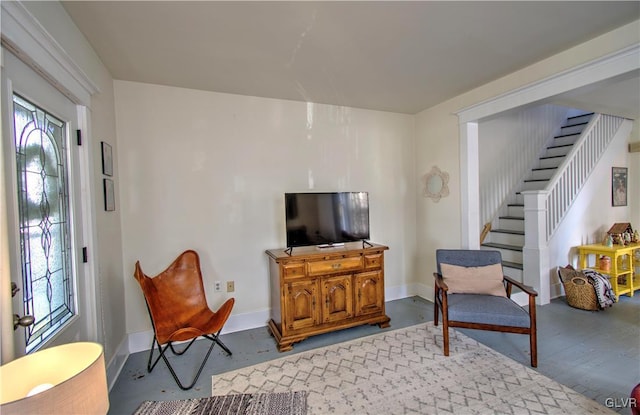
point(624, 261)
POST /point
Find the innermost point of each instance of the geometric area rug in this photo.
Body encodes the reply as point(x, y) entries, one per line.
point(404, 371)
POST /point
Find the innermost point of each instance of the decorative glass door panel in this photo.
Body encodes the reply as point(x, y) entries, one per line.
point(44, 223)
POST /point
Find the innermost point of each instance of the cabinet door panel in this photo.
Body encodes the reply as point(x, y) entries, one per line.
point(337, 295)
point(369, 293)
point(300, 304)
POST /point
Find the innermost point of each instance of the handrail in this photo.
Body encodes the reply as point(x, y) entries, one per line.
point(576, 168)
point(485, 231)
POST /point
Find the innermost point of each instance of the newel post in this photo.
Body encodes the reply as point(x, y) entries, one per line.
point(535, 252)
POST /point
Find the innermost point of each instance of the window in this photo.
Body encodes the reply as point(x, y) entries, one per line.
point(44, 224)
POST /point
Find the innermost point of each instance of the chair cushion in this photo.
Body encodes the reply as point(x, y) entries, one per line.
point(474, 280)
point(488, 309)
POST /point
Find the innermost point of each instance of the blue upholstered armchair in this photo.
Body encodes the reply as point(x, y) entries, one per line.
point(472, 292)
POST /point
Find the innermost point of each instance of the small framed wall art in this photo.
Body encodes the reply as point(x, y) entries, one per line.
point(619, 186)
point(109, 195)
point(107, 159)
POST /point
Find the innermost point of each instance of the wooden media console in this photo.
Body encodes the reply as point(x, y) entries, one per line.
point(319, 290)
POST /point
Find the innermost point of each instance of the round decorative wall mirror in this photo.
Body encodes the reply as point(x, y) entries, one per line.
point(436, 184)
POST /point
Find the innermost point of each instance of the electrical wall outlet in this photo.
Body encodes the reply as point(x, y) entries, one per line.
point(231, 286)
point(217, 286)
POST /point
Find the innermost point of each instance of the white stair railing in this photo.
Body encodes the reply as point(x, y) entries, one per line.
point(545, 209)
point(576, 168)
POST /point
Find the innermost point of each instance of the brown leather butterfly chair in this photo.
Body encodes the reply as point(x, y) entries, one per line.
point(179, 312)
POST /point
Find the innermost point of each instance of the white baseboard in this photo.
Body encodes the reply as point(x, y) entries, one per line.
point(557, 290)
point(141, 341)
point(521, 298)
point(425, 291)
point(116, 363)
point(246, 321)
point(403, 291)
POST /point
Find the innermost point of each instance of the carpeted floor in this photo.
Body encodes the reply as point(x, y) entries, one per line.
point(287, 403)
point(404, 371)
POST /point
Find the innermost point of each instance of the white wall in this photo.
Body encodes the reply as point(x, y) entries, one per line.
point(438, 142)
point(634, 177)
point(203, 167)
point(591, 214)
point(509, 145)
point(209, 171)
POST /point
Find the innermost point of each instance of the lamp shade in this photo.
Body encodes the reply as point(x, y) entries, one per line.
point(67, 379)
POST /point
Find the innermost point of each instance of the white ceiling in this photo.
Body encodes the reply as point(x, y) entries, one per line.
point(390, 56)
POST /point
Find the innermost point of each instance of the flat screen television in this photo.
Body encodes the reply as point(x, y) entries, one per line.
point(326, 219)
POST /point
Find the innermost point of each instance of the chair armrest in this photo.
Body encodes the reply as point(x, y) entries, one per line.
point(440, 282)
point(525, 288)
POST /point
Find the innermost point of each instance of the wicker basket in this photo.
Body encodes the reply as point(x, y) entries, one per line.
point(579, 292)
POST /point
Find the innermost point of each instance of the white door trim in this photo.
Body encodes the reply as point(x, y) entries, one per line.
point(26, 38)
point(600, 69)
point(24, 35)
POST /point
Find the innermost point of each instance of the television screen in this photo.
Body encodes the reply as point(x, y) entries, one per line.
point(326, 218)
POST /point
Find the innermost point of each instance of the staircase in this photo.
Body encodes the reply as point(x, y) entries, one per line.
point(508, 236)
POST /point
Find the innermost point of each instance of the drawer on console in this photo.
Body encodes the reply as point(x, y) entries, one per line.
point(292, 270)
point(373, 261)
point(334, 265)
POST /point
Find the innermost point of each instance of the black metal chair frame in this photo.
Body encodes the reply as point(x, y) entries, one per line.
point(169, 345)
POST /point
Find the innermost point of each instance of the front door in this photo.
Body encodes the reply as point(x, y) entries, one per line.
point(43, 210)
